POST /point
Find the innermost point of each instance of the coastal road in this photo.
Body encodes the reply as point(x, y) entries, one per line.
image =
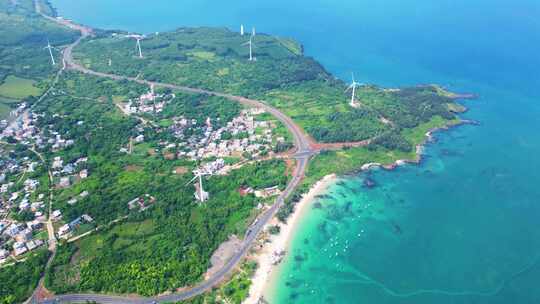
point(304, 151)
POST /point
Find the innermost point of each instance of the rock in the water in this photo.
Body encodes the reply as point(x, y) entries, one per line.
point(369, 183)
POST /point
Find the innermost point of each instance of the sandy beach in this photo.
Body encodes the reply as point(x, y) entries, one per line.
point(279, 242)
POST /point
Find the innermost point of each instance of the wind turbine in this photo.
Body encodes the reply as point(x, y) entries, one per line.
point(353, 87)
point(200, 195)
point(242, 29)
point(250, 43)
point(253, 31)
point(50, 52)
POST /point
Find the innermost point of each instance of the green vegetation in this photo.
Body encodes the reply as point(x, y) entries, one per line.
point(274, 229)
point(18, 88)
point(215, 59)
point(25, 66)
point(233, 291)
point(113, 182)
point(417, 134)
point(201, 107)
point(167, 246)
point(24, 35)
point(4, 111)
point(17, 282)
point(203, 57)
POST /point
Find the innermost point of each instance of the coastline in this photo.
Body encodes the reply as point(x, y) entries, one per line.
point(281, 241)
point(265, 256)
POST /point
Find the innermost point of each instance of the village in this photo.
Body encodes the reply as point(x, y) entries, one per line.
point(22, 208)
point(25, 182)
point(209, 143)
point(243, 137)
point(24, 205)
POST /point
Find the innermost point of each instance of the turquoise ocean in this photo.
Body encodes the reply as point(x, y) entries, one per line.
point(462, 227)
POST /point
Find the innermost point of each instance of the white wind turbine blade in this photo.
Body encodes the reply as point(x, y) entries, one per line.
point(191, 181)
point(49, 47)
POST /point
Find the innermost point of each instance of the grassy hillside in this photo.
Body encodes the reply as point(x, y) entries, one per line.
point(23, 60)
point(216, 59)
point(18, 88)
point(23, 36)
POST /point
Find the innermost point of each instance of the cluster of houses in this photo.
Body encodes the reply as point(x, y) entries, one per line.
point(66, 231)
point(210, 168)
point(147, 103)
point(24, 129)
point(21, 199)
point(17, 238)
point(244, 134)
point(19, 187)
point(65, 174)
point(202, 140)
point(12, 195)
point(9, 130)
point(22, 195)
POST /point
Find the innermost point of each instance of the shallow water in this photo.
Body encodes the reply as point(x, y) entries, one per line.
point(460, 228)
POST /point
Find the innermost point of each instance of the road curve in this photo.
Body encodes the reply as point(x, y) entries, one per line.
point(304, 151)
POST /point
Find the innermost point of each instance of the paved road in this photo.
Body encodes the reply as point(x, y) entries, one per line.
point(303, 153)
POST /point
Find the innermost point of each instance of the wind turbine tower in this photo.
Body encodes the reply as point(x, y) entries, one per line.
point(250, 43)
point(200, 194)
point(139, 46)
point(253, 31)
point(242, 29)
point(50, 51)
point(353, 87)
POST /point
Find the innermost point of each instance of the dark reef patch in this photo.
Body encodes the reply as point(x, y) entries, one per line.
point(369, 183)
